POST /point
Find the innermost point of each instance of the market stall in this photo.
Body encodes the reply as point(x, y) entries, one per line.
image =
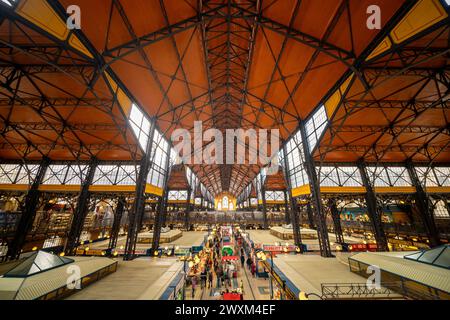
point(233, 296)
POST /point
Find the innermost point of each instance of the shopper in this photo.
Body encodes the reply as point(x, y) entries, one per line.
point(242, 260)
point(229, 275)
point(203, 279)
point(253, 268)
point(210, 279)
point(224, 277)
point(194, 285)
point(249, 263)
point(219, 277)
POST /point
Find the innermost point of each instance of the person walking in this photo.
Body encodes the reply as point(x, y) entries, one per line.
point(242, 260)
point(249, 263)
point(210, 279)
point(224, 277)
point(194, 285)
point(203, 279)
point(219, 277)
point(229, 275)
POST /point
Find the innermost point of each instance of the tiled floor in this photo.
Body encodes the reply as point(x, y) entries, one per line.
point(305, 274)
point(147, 278)
point(189, 239)
point(140, 279)
point(254, 288)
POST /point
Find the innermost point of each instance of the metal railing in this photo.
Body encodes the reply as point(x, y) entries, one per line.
point(201, 218)
point(391, 227)
point(334, 291)
point(355, 291)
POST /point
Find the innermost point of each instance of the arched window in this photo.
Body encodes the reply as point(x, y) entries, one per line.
point(231, 206)
point(219, 206)
point(225, 203)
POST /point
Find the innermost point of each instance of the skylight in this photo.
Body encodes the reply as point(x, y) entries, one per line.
point(315, 126)
point(9, 2)
point(140, 125)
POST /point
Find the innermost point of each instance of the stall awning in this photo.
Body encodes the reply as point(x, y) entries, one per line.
point(230, 258)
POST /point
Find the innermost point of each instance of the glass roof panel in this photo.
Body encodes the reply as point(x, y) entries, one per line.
point(37, 262)
point(439, 256)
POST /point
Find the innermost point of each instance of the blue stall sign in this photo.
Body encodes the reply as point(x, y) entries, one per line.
point(197, 249)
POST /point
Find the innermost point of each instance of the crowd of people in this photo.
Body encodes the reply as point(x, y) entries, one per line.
point(219, 273)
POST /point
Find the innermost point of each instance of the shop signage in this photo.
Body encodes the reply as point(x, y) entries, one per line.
point(277, 279)
point(91, 252)
point(230, 258)
point(312, 247)
point(137, 252)
point(402, 242)
point(197, 249)
point(409, 243)
point(182, 251)
point(279, 248)
point(361, 247)
point(421, 245)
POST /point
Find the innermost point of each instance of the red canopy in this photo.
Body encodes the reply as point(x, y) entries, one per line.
point(230, 258)
point(232, 296)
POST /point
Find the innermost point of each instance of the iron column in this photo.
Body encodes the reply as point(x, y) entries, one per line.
point(81, 210)
point(316, 198)
point(162, 207)
point(137, 211)
point(425, 207)
point(29, 212)
point(373, 210)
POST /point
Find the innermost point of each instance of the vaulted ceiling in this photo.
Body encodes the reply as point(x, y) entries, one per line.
point(261, 64)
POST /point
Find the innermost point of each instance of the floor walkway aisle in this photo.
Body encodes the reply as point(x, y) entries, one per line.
point(254, 288)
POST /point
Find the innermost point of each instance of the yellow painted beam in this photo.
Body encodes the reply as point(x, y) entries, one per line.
point(301, 191)
point(387, 190)
point(124, 101)
point(333, 102)
point(384, 46)
point(77, 44)
point(14, 187)
point(425, 14)
point(151, 189)
point(437, 189)
point(274, 202)
point(41, 14)
point(110, 188)
point(343, 190)
point(177, 201)
point(59, 187)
